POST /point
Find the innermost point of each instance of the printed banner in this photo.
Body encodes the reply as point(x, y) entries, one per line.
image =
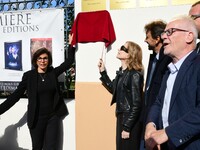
point(22, 33)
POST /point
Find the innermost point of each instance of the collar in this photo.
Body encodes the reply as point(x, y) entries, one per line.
point(172, 68)
point(175, 67)
point(157, 56)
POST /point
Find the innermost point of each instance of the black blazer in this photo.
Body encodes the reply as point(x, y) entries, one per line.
point(29, 85)
point(154, 87)
point(161, 67)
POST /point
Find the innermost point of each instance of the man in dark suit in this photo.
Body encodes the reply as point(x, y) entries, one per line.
point(157, 66)
point(173, 120)
point(155, 73)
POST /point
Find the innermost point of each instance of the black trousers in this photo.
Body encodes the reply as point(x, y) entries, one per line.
point(47, 134)
point(133, 143)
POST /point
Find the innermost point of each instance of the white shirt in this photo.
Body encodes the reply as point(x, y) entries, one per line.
point(169, 89)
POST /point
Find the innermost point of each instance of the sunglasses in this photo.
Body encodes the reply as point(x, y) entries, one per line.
point(123, 48)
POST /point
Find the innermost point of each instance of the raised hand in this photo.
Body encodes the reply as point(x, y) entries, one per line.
point(101, 65)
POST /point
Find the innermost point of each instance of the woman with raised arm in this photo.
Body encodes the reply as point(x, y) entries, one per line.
point(46, 107)
point(126, 89)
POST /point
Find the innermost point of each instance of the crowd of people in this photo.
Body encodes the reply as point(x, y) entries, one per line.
point(164, 114)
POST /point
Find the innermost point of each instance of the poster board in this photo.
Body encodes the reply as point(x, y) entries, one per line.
point(23, 32)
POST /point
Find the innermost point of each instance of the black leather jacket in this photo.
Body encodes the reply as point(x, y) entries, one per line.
point(128, 98)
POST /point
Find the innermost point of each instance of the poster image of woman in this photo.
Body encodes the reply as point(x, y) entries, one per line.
point(13, 53)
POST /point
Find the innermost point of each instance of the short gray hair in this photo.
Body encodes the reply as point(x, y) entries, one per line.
point(188, 23)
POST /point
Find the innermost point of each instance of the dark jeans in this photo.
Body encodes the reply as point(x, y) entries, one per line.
point(47, 134)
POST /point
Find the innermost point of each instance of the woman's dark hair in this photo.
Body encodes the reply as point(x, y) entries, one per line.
point(39, 52)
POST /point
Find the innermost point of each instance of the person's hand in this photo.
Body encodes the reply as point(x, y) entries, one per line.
point(70, 37)
point(101, 65)
point(158, 137)
point(125, 135)
point(153, 137)
point(150, 128)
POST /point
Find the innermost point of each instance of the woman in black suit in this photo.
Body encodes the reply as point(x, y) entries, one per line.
point(126, 89)
point(46, 107)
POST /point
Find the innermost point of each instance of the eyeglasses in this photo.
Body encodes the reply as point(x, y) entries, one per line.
point(194, 17)
point(42, 59)
point(170, 31)
point(123, 48)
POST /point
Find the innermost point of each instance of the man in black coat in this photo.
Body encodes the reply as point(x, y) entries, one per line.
point(156, 68)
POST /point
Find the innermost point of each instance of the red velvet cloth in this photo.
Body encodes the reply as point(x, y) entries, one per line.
point(93, 27)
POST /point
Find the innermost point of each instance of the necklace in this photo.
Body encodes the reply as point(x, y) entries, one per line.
point(42, 77)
